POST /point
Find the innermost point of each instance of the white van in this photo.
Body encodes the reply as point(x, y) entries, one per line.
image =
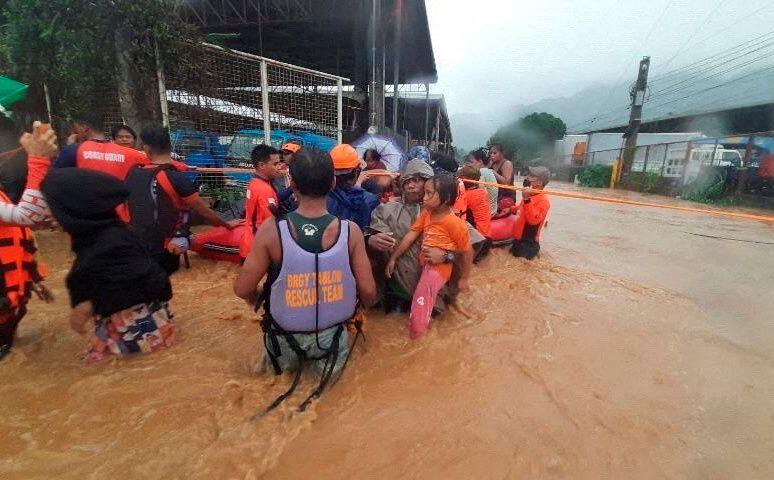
point(702, 156)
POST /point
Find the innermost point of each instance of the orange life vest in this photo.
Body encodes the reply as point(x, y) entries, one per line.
point(17, 261)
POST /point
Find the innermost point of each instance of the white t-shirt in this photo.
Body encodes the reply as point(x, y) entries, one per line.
point(487, 175)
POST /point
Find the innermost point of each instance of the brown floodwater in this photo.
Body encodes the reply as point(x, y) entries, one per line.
point(633, 348)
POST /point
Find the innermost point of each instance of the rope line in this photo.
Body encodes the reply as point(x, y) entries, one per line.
point(580, 196)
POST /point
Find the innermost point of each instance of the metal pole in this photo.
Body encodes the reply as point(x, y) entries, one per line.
point(645, 161)
point(741, 185)
point(48, 102)
point(381, 120)
point(427, 111)
point(437, 134)
point(340, 109)
point(635, 117)
point(686, 160)
point(265, 104)
point(372, 93)
point(396, 63)
point(162, 87)
point(714, 152)
point(270, 61)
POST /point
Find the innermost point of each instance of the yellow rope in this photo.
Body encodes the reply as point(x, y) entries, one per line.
point(580, 196)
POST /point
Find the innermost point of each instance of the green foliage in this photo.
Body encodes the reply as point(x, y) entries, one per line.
point(650, 182)
point(221, 195)
point(527, 137)
point(708, 187)
point(597, 176)
point(72, 45)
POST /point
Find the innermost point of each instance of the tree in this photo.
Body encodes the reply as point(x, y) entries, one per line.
point(527, 137)
point(93, 54)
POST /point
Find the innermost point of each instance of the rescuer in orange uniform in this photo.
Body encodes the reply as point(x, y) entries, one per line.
point(531, 214)
point(96, 152)
point(262, 199)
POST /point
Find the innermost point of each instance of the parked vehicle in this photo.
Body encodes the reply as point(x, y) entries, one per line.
point(708, 156)
point(242, 145)
point(200, 149)
point(313, 140)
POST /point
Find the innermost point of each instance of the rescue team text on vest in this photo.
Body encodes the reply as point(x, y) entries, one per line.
point(301, 291)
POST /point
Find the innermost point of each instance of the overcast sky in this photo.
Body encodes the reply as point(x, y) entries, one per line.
point(493, 53)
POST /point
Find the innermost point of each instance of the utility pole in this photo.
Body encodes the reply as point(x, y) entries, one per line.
point(635, 117)
point(376, 95)
point(396, 65)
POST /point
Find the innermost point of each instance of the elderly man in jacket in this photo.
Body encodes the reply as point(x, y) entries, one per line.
point(389, 223)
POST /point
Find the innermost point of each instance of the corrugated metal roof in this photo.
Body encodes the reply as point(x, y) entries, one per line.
point(687, 96)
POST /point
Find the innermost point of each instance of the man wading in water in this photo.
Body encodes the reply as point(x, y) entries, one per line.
point(318, 272)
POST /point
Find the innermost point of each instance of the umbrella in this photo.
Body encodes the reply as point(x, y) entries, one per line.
point(392, 155)
point(11, 92)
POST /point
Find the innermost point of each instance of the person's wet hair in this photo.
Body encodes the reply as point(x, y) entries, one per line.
point(115, 131)
point(93, 120)
point(348, 179)
point(498, 147)
point(446, 188)
point(262, 153)
point(480, 155)
point(157, 139)
point(444, 163)
point(375, 156)
point(13, 168)
point(469, 173)
point(312, 172)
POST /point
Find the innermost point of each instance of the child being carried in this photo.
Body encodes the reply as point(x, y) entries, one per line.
point(439, 228)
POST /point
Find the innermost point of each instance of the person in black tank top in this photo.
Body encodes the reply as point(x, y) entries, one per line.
point(309, 231)
point(503, 170)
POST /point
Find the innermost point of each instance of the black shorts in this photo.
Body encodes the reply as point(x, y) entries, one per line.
point(528, 249)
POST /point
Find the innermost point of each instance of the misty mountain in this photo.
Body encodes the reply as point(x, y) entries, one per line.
point(471, 130)
point(604, 106)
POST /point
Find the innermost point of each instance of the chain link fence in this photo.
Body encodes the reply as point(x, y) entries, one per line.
point(743, 163)
point(226, 102)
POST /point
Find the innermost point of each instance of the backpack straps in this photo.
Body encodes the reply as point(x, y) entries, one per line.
point(166, 185)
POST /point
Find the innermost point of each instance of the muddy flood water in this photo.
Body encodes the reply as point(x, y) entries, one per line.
point(634, 348)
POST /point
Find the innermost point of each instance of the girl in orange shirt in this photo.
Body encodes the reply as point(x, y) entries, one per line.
point(439, 228)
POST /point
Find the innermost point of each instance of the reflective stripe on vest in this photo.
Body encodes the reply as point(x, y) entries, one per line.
point(295, 304)
point(17, 262)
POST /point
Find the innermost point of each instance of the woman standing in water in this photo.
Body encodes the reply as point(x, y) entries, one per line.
point(116, 289)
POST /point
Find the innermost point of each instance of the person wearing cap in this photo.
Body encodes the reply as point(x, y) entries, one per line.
point(390, 222)
point(287, 151)
point(348, 201)
point(531, 214)
point(282, 182)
